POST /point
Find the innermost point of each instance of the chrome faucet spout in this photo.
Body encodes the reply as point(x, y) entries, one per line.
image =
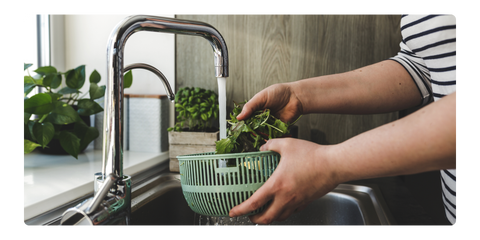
point(111, 203)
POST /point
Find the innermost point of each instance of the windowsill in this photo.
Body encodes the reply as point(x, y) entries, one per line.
point(53, 180)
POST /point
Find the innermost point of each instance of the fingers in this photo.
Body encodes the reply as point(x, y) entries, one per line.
point(284, 202)
point(284, 188)
point(257, 200)
point(273, 145)
point(270, 214)
point(279, 209)
point(275, 211)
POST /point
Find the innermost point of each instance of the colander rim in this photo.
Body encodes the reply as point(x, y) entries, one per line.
point(210, 155)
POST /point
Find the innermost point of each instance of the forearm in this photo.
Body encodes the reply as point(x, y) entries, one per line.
point(382, 87)
point(422, 141)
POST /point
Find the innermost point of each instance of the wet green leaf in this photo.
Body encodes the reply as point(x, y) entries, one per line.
point(250, 134)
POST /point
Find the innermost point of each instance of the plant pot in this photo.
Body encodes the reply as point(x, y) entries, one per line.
point(182, 143)
point(54, 147)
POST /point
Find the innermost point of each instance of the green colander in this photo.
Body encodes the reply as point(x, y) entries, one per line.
point(213, 183)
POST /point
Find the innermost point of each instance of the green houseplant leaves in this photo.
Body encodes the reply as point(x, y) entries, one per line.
point(29, 146)
point(38, 104)
point(53, 110)
point(197, 108)
point(75, 78)
point(62, 114)
point(43, 132)
point(70, 143)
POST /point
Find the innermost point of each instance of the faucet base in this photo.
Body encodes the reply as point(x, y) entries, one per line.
point(115, 208)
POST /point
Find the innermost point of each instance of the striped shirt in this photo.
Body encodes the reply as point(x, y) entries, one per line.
point(428, 53)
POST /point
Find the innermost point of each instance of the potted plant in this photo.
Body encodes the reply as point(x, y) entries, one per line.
point(61, 122)
point(195, 129)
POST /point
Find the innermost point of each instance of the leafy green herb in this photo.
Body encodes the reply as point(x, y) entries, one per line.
point(250, 134)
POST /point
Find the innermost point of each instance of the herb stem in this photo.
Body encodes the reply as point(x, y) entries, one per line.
point(274, 127)
point(291, 124)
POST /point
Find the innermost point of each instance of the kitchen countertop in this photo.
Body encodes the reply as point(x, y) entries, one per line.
point(53, 180)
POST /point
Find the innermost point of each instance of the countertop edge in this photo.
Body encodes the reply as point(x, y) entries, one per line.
point(86, 188)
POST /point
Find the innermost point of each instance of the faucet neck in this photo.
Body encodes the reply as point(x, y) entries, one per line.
point(113, 111)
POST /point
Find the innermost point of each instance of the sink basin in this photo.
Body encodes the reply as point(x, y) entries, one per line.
point(160, 201)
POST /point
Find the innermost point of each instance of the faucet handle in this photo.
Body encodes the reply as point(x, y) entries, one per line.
point(101, 194)
point(79, 216)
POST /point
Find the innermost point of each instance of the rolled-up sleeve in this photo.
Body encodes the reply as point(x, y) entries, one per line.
point(417, 69)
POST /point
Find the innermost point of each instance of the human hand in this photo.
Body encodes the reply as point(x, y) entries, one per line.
point(303, 175)
point(279, 98)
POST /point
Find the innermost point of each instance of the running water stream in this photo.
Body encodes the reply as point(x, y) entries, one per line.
point(222, 102)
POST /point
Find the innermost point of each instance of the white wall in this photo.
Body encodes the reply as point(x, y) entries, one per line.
point(86, 39)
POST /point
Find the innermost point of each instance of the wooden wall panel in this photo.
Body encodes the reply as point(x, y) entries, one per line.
point(269, 49)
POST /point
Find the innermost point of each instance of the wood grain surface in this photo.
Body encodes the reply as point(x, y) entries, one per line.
point(269, 49)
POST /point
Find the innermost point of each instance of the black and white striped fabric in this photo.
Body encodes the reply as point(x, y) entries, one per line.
point(428, 53)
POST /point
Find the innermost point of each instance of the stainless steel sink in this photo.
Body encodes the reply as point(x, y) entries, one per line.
point(160, 201)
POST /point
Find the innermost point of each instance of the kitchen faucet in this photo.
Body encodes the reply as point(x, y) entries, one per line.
point(111, 203)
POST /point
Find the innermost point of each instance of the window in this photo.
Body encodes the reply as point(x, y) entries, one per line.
point(35, 41)
point(67, 41)
point(43, 40)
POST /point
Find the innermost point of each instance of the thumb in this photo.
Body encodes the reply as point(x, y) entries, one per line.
point(273, 145)
point(256, 103)
point(249, 108)
point(246, 112)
